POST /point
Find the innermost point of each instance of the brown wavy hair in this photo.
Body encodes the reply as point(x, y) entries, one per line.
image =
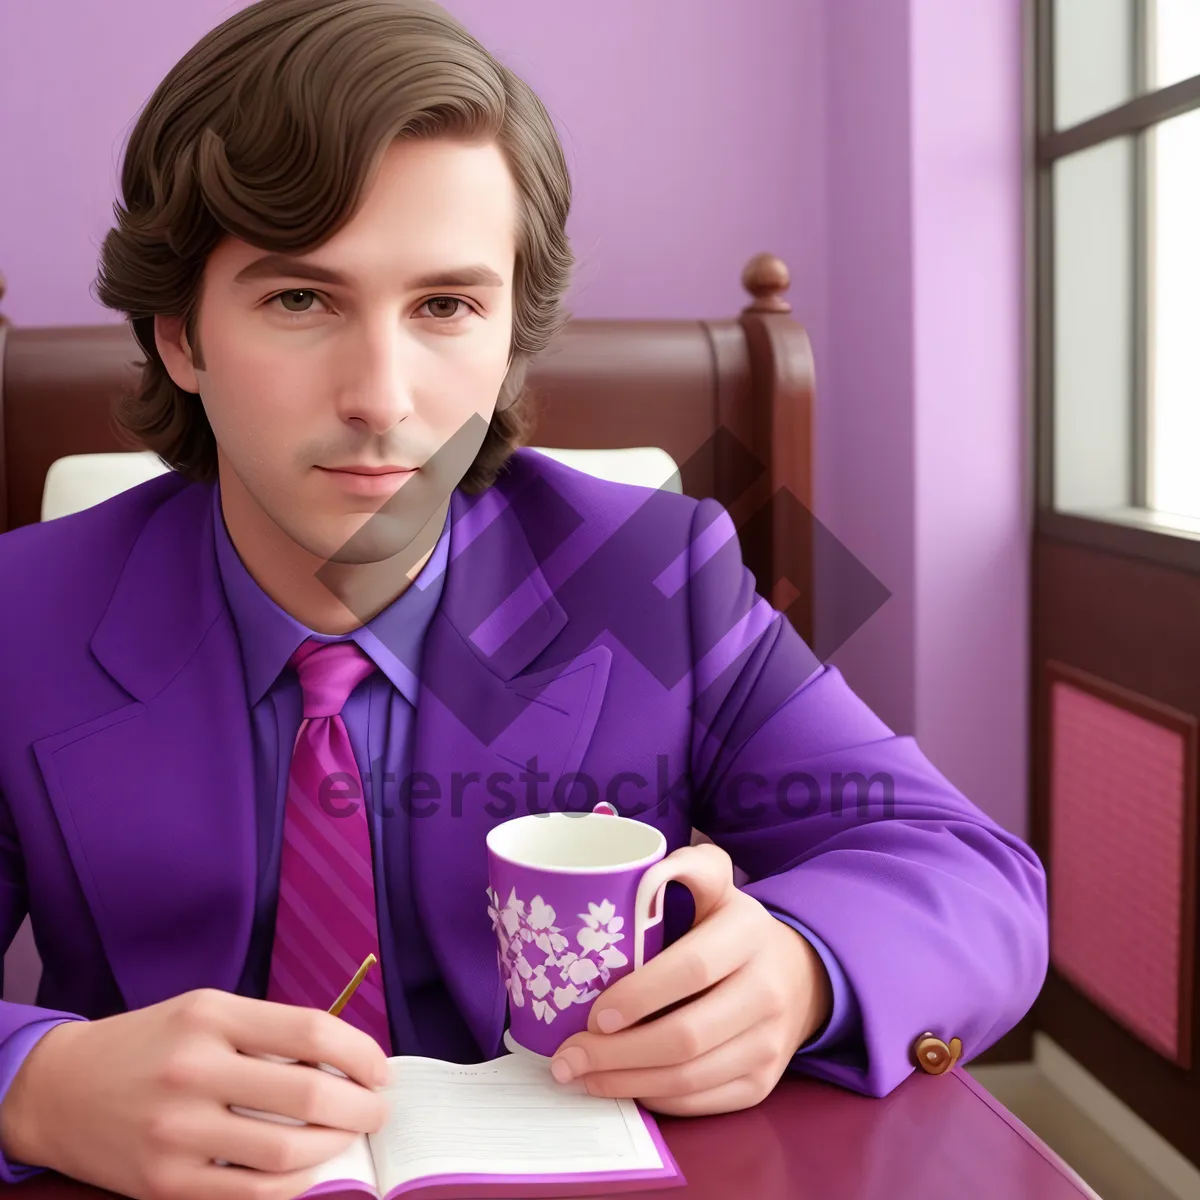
point(271, 128)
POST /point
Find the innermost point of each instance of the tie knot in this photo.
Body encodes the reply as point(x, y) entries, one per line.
point(328, 673)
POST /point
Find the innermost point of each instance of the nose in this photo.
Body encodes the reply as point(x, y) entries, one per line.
point(379, 392)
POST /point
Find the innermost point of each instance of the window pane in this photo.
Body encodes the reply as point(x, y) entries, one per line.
point(1174, 41)
point(1174, 316)
point(1093, 57)
point(1093, 327)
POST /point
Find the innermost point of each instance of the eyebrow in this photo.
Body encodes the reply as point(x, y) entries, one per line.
point(272, 266)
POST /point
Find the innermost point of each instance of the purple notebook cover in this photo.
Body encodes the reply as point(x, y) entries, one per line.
point(588, 1183)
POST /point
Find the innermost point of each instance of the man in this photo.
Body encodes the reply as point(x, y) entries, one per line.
point(260, 713)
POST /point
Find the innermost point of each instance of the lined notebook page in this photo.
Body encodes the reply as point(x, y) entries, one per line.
point(505, 1117)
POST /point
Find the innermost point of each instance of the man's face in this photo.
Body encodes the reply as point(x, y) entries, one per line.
point(385, 347)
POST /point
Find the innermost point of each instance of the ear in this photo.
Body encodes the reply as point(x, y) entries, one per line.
point(172, 344)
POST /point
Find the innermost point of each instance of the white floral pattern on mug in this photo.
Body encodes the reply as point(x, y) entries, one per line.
point(563, 976)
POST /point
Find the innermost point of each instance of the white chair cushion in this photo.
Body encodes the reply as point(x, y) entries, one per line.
point(82, 480)
point(646, 466)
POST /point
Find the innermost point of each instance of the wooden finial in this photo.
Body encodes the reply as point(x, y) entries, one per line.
point(766, 278)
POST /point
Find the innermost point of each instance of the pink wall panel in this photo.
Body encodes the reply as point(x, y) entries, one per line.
point(1118, 801)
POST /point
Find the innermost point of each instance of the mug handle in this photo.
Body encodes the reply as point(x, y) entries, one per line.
point(648, 905)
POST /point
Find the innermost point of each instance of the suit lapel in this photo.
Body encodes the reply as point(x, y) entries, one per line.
point(493, 737)
point(161, 791)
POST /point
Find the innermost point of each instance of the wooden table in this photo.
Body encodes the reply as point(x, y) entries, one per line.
point(936, 1137)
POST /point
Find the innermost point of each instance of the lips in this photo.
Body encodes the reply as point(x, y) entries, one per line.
point(367, 481)
point(360, 470)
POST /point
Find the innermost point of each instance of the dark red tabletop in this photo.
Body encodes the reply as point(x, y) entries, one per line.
point(936, 1137)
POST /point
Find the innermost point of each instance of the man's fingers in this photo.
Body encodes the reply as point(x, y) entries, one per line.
point(329, 1040)
point(705, 870)
point(687, 1033)
point(301, 1091)
point(749, 1052)
point(214, 1182)
point(257, 1142)
point(727, 1097)
point(702, 957)
point(260, 1027)
point(268, 1146)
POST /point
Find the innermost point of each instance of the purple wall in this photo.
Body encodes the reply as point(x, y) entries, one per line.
point(692, 131)
point(865, 381)
point(973, 521)
point(922, 401)
point(874, 144)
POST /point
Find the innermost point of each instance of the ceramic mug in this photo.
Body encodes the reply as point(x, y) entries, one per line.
point(575, 900)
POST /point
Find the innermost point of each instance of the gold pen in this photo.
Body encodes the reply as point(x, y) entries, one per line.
point(352, 986)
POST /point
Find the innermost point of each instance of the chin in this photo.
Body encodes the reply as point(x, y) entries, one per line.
point(360, 553)
point(357, 541)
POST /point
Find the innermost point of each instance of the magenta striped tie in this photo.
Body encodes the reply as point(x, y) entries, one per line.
point(325, 923)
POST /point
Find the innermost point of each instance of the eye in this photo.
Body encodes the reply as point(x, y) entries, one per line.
point(444, 308)
point(296, 296)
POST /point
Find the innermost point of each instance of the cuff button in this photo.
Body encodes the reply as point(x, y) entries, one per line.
point(935, 1056)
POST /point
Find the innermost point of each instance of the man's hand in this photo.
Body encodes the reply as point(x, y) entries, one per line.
point(750, 991)
point(139, 1102)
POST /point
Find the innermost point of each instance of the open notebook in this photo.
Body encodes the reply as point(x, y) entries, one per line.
point(499, 1128)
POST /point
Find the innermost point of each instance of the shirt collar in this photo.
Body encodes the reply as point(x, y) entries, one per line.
point(269, 636)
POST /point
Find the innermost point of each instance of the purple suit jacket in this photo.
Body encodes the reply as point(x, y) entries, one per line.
point(593, 638)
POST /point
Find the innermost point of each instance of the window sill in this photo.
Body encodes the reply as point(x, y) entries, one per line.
point(1167, 539)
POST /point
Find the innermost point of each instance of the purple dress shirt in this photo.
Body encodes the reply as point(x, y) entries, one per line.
point(379, 718)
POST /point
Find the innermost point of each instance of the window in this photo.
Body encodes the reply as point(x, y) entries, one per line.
point(1173, 313)
point(1118, 261)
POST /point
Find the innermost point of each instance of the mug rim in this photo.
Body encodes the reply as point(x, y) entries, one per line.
point(633, 864)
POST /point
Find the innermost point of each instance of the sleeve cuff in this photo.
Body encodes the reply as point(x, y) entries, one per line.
point(845, 1021)
point(12, 1054)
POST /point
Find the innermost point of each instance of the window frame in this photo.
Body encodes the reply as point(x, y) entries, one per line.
point(1135, 530)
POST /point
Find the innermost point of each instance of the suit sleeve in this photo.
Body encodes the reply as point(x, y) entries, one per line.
point(21, 1025)
point(935, 914)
